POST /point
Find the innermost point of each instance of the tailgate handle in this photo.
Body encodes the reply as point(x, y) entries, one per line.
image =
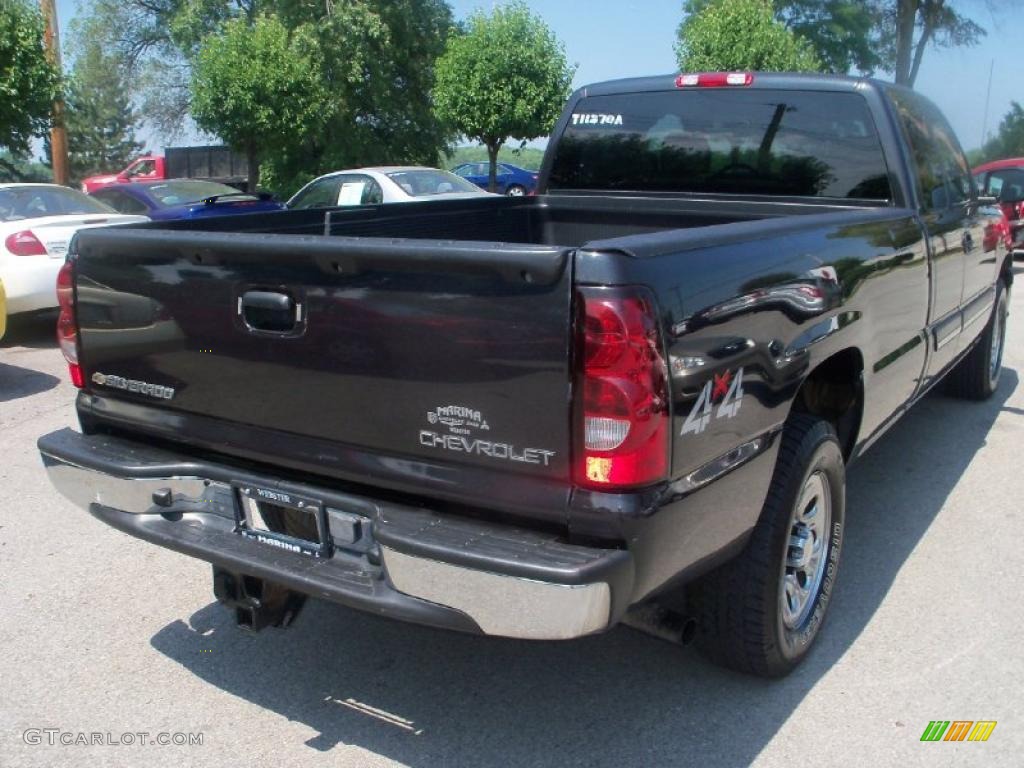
point(269, 311)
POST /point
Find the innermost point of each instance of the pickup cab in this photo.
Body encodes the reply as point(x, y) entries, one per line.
point(632, 397)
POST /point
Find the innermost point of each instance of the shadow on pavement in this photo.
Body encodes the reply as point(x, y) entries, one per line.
point(424, 697)
point(17, 382)
point(36, 331)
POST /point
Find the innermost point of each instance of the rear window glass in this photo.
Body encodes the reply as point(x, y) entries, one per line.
point(29, 202)
point(421, 183)
point(751, 142)
point(172, 193)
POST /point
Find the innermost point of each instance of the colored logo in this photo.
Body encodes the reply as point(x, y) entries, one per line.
point(958, 730)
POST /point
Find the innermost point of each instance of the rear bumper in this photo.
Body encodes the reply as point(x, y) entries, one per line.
point(30, 282)
point(410, 564)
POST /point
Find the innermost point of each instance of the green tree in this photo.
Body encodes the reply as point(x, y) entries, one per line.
point(259, 87)
point(911, 26)
point(22, 168)
point(28, 82)
point(376, 61)
point(874, 35)
point(842, 32)
point(741, 35)
point(529, 158)
point(505, 77)
point(100, 119)
point(379, 68)
point(1009, 139)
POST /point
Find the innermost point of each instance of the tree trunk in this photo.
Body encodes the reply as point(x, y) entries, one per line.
point(253, 160)
point(492, 156)
point(926, 35)
point(906, 15)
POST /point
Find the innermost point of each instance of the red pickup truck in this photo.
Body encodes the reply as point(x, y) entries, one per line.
point(1004, 180)
point(216, 163)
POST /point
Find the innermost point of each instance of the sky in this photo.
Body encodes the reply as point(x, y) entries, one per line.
point(609, 39)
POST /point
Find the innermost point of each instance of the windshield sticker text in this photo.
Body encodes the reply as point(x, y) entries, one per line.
point(590, 118)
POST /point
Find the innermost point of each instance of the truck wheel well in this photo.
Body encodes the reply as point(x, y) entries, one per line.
point(834, 391)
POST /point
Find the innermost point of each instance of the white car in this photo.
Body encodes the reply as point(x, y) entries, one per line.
point(385, 184)
point(37, 222)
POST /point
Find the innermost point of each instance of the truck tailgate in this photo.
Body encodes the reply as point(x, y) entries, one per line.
point(453, 354)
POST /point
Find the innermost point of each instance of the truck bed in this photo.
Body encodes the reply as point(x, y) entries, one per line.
point(559, 220)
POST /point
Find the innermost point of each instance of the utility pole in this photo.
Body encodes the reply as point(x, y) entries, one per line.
point(58, 136)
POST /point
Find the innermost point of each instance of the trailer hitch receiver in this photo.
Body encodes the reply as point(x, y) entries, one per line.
point(257, 603)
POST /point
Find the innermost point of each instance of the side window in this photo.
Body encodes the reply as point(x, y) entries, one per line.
point(1008, 184)
point(142, 168)
point(121, 202)
point(372, 194)
point(943, 175)
point(957, 171)
point(352, 190)
point(319, 194)
point(356, 189)
point(464, 171)
point(110, 197)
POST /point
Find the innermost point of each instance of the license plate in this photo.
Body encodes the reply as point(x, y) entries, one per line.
point(283, 520)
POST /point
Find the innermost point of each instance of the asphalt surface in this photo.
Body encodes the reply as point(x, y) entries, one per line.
point(101, 633)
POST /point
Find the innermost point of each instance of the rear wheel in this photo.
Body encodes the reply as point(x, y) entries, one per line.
point(976, 377)
point(515, 190)
point(761, 612)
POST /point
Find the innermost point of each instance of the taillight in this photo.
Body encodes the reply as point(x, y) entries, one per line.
point(622, 402)
point(67, 322)
point(25, 243)
point(714, 79)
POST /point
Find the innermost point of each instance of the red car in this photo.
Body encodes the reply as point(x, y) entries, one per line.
point(1004, 180)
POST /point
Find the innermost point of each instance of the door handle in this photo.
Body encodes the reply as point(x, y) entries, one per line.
point(269, 311)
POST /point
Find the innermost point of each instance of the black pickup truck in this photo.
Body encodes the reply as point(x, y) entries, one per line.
point(635, 394)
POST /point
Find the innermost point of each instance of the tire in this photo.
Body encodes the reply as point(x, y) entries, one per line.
point(761, 612)
point(976, 377)
point(515, 190)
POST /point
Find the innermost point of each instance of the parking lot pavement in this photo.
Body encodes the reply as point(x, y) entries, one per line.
point(101, 633)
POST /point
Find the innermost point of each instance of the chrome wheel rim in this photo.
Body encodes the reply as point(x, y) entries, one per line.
point(516, 192)
point(998, 334)
point(806, 551)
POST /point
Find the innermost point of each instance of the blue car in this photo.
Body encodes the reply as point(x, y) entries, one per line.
point(512, 180)
point(183, 199)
